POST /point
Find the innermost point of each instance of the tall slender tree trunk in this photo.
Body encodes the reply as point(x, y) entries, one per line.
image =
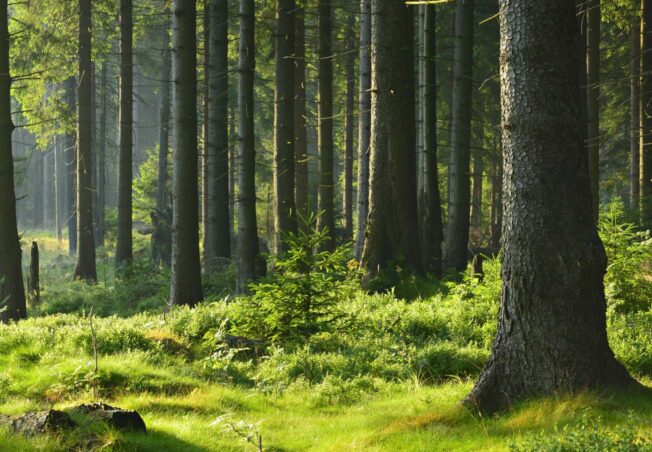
point(457, 232)
point(248, 248)
point(646, 115)
point(47, 188)
point(85, 268)
point(497, 201)
point(301, 159)
point(325, 122)
point(635, 118)
point(420, 19)
point(392, 229)
point(284, 202)
point(430, 204)
point(349, 127)
point(593, 18)
point(205, 157)
point(185, 286)
point(36, 164)
point(12, 291)
point(478, 179)
point(552, 333)
point(101, 157)
point(364, 125)
point(70, 162)
point(59, 185)
point(124, 245)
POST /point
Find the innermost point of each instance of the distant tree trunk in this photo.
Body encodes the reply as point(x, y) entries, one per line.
point(420, 19)
point(70, 162)
point(593, 18)
point(161, 240)
point(457, 236)
point(233, 163)
point(94, 158)
point(12, 291)
point(646, 116)
point(392, 228)
point(124, 245)
point(325, 122)
point(204, 156)
point(185, 286)
point(47, 188)
point(349, 127)
point(300, 131)
point(478, 179)
point(101, 158)
point(635, 118)
point(497, 200)
point(36, 164)
point(34, 279)
point(85, 268)
point(430, 205)
point(59, 185)
point(248, 248)
point(284, 203)
point(552, 334)
point(364, 124)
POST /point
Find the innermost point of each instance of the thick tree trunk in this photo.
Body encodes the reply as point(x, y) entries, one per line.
point(593, 18)
point(284, 205)
point(635, 117)
point(552, 334)
point(349, 127)
point(646, 116)
point(248, 248)
point(457, 232)
point(12, 291)
point(70, 162)
point(101, 157)
point(326, 221)
point(392, 228)
point(300, 130)
point(85, 268)
point(124, 245)
point(430, 204)
point(185, 287)
point(364, 125)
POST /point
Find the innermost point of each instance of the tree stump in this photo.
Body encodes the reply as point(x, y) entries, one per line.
point(33, 279)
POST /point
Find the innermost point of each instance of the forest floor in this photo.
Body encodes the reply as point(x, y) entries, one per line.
point(390, 381)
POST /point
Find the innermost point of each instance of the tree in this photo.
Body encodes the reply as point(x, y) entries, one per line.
point(325, 122)
point(101, 157)
point(12, 291)
point(248, 248)
point(392, 230)
point(349, 126)
point(593, 18)
point(364, 124)
point(300, 131)
point(285, 209)
point(185, 286)
point(635, 118)
point(70, 162)
point(459, 196)
point(552, 326)
point(85, 268)
point(124, 245)
point(430, 202)
point(646, 115)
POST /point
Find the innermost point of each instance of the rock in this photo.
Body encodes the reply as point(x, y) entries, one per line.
point(126, 420)
point(38, 422)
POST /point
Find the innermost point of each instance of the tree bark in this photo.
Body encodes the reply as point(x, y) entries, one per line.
point(85, 268)
point(593, 18)
point(70, 161)
point(284, 203)
point(326, 221)
point(124, 245)
point(12, 291)
point(635, 118)
point(185, 287)
point(392, 229)
point(457, 232)
point(248, 248)
point(59, 184)
point(34, 279)
point(364, 125)
point(301, 158)
point(552, 334)
point(430, 204)
point(349, 127)
point(101, 157)
point(646, 116)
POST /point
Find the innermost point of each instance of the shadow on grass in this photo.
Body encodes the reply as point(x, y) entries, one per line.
point(156, 441)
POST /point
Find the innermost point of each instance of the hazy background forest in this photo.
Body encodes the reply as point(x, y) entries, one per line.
point(323, 224)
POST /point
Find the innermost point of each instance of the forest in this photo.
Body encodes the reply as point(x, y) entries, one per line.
point(343, 225)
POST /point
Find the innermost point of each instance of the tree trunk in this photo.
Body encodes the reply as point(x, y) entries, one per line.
point(205, 157)
point(430, 204)
point(552, 334)
point(124, 245)
point(392, 228)
point(478, 179)
point(301, 159)
point(349, 127)
point(457, 232)
point(497, 200)
point(646, 116)
point(635, 118)
point(12, 291)
point(326, 221)
point(593, 18)
point(284, 203)
point(364, 125)
point(101, 158)
point(185, 286)
point(85, 268)
point(70, 161)
point(59, 184)
point(36, 163)
point(248, 248)
point(34, 279)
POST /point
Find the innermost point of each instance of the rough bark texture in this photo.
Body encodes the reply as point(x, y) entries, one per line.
point(457, 232)
point(300, 129)
point(552, 324)
point(85, 268)
point(325, 122)
point(349, 127)
point(364, 125)
point(248, 247)
point(124, 245)
point(284, 206)
point(593, 18)
point(392, 231)
point(646, 115)
point(635, 118)
point(12, 295)
point(431, 230)
point(185, 287)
